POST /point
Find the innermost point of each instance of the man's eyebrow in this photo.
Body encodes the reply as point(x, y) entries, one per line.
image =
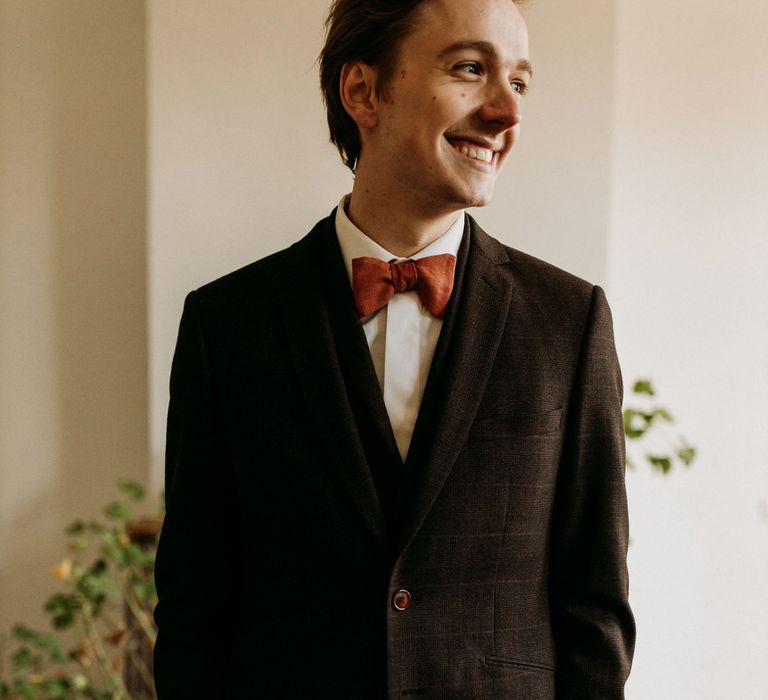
point(486, 48)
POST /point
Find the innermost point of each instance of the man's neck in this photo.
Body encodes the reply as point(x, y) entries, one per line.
point(401, 229)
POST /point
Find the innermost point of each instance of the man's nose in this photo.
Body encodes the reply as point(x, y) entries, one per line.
point(502, 105)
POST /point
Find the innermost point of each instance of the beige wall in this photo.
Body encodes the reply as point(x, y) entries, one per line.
point(240, 165)
point(553, 200)
point(689, 276)
point(72, 277)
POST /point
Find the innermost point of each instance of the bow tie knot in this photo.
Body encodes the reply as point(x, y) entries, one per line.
point(374, 282)
point(404, 275)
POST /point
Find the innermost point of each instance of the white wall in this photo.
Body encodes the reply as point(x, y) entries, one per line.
point(689, 277)
point(553, 200)
point(73, 353)
point(240, 164)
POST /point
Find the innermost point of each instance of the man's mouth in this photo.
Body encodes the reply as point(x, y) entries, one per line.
point(472, 150)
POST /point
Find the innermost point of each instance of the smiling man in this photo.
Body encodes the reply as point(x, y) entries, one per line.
point(398, 444)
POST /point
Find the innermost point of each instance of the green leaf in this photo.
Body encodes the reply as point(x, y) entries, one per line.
point(57, 687)
point(25, 689)
point(145, 590)
point(78, 544)
point(99, 694)
point(96, 528)
point(24, 633)
point(75, 528)
point(111, 537)
point(23, 658)
point(123, 552)
point(134, 555)
point(41, 640)
point(118, 511)
point(98, 568)
point(687, 454)
point(644, 386)
point(663, 463)
point(664, 414)
point(63, 608)
point(133, 489)
point(635, 424)
point(95, 585)
point(147, 559)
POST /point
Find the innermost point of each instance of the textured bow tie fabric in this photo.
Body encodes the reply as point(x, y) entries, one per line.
point(374, 282)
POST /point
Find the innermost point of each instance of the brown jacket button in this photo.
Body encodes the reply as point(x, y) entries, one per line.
point(401, 600)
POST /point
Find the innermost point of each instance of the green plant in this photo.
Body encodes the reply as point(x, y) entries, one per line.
point(647, 420)
point(106, 599)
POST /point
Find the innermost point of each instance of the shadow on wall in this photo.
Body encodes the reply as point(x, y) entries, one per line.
point(87, 68)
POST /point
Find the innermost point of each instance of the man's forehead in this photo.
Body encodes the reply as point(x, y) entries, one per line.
point(494, 28)
point(465, 11)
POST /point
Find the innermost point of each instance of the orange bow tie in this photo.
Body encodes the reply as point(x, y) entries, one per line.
point(374, 282)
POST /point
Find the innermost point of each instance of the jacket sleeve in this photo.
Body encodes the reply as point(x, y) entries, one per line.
point(194, 570)
point(593, 626)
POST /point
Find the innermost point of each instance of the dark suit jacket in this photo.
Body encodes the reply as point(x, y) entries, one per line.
point(282, 547)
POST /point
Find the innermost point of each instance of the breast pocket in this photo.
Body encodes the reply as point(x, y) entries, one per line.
point(514, 425)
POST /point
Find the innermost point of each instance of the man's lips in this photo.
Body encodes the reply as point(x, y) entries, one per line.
point(477, 149)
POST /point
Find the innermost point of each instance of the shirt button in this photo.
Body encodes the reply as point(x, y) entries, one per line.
point(401, 600)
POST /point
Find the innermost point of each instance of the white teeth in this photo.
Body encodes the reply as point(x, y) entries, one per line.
point(477, 153)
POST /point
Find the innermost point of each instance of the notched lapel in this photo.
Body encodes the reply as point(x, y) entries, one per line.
point(457, 378)
point(312, 348)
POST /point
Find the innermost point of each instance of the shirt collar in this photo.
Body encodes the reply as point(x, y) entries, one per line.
point(355, 244)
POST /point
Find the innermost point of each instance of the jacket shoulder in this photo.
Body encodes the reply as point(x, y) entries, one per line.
point(531, 274)
point(534, 273)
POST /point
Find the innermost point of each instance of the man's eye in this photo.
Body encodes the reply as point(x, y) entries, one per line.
point(519, 87)
point(469, 67)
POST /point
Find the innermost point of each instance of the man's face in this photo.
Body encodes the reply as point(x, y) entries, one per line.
point(451, 113)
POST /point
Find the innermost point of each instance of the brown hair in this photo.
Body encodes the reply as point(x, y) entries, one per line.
point(365, 30)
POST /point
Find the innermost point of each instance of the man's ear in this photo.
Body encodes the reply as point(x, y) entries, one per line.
point(357, 86)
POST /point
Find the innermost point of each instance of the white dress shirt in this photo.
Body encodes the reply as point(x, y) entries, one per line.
point(402, 336)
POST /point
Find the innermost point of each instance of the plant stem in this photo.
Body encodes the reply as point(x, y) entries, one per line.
point(115, 679)
point(142, 668)
point(138, 612)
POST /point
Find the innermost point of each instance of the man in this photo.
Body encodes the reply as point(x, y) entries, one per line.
point(395, 449)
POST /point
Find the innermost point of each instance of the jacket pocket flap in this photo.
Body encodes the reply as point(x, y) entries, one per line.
point(492, 427)
point(517, 663)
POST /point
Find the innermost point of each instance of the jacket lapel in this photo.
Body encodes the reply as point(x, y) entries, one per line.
point(458, 377)
point(362, 386)
point(311, 345)
point(352, 347)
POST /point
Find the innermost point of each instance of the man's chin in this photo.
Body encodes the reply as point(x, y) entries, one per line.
point(462, 195)
point(477, 198)
point(480, 201)
point(478, 191)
